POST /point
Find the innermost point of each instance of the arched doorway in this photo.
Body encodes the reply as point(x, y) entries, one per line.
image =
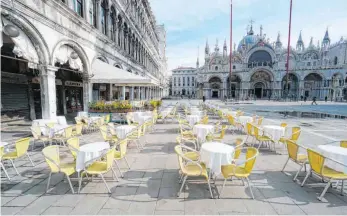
point(183, 92)
point(260, 58)
point(261, 85)
point(312, 85)
point(233, 86)
point(215, 85)
point(290, 89)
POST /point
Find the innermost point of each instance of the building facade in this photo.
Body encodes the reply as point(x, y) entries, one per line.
point(183, 81)
point(48, 49)
point(259, 69)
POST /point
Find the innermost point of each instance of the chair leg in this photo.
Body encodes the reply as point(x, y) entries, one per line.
point(285, 165)
point(3, 167)
point(250, 187)
point(105, 183)
point(126, 161)
point(68, 179)
point(14, 167)
point(209, 187)
point(225, 181)
point(115, 174)
point(342, 187)
point(32, 148)
point(49, 181)
point(307, 175)
point(184, 181)
point(297, 173)
point(325, 190)
point(30, 159)
point(121, 174)
point(80, 182)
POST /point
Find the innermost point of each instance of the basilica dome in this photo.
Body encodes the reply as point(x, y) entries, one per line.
point(248, 41)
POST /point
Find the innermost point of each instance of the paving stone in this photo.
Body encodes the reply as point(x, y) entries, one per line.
point(54, 210)
point(200, 206)
point(39, 205)
point(6, 199)
point(10, 210)
point(89, 205)
point(23, 200)
point(170, 204)
point(69, 200)
point(169, 212)
point(119, 202)
point(142, 207)
point(112, 211)
point(231, 205)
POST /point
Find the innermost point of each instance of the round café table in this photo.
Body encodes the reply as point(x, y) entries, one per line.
point(193, 119)
point(275, 132)
point(87, 153)
point(245, 119)
point(197, 112)
point(124, 130)
point(201, 131)
point(336, 153)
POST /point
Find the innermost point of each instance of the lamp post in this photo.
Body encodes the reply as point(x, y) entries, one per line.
point(231, 43)
point(288, 49)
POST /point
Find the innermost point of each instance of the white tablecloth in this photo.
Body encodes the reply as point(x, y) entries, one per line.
point(245, 119)
point(201, 131)
point(165, 113)
point(82, 114)
point(143, 119)
point(123, 130)
point(93, 119)
point(88, 152)
point(199, 113)
point(57, 129)
point(192, 119)
point(61, 120)
point(336, 153)
point(215, 154)
point(43, 124)
point(274, 131)
point(4, 144)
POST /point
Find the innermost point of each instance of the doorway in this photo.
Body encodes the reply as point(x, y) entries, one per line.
point(214, 94)
point(258, 90)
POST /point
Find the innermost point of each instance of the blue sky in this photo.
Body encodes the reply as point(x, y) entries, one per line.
point(190, 22)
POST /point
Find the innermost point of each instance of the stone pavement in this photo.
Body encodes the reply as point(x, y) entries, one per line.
point(151, 186)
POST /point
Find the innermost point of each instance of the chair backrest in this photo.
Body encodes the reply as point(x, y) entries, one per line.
point(256, 131)
point(68, 132)
point(316, 161)
point(51, 124)
point(107, 118)
point(103, 131)
point(178, 150)
point(79, 128)
point(238, 148)
point(249, 127)
point(296, 131)
point(231, 120)
point(1, 152)
point(78, 120)
point(343, 143)
point(128, 120)
point(22, 146)
point(51, 154)
point(222, 133)
point(251, 155)
point(260, 120)
point(284, 124)
point(109, 158)
point(36, 131)
point(123, 146)
point(74, 145)
point(293, 149)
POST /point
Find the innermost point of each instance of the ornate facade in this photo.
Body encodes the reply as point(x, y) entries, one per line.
point(58, 42)
point(183, 81)
point(259, 69)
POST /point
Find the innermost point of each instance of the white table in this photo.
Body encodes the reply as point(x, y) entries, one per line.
point(215, 155)
point(93, 119)
point(143, 119)
point(245, 119)
point(122, 131)
point(336, 153)
point(201, 131)
point(82, 114)
point(61, 120)
point(88, 152)
point(199, 113)
point(165, 113)
point(43, 124)
point(57, 129)
point(274, 131)
point(193, 119)
point(3, 144)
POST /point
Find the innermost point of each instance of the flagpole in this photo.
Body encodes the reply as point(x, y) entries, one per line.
point(231, 42)
point(288, 48)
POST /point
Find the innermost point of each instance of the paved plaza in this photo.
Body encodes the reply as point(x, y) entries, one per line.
point(151, 185)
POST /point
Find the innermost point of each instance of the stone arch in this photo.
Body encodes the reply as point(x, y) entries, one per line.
point(310, 55)
point(31, 32)
point(312, 74)
point(214, 76)
point(255, 70)
point(266, 49)
point(78, 49)
point(100, 57)
point(118, 65)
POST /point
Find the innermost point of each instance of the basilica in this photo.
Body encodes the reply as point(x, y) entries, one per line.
point(259, 70)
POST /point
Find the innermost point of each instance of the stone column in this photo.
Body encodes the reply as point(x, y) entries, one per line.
point(110, 92)
point(31, 100)
point(132, 93)
point(87, 93)
point(98, 13)
point(123, 92)
point(48, 92)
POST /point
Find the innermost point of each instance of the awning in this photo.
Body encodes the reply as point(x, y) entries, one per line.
point(105, 73)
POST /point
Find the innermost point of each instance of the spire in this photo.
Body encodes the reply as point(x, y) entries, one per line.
point(234, 47)
point(216, 49)
point(251, 32)
point(318, 46)
point(225, 44)
point(225, 48)
point(278, 41)
point(326, 36)
point(311, 43)
point(207, 48)
point(261, 30)
point(300, 44)
point(197, 59)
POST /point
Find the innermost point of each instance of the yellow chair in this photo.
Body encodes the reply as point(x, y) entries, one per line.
point(249, 131)
point(106, 136)
point(107, 118)
point(296, 131)
point(74, 146)
point(134, 136)
point(2, 165)
point(36, 132)
point(77, 130)
point(21, 146)
point(100, 168)
point(121, 154)
point(343, 143)
point(190, 153)
point(261, 138)
point(284, 124)
point(65, 135)
point(190, 168)
point(238, 148)
point(51, 124)
point(217, 137)
point(204, 120)
point(293, 155)
point(52, 157)
point(260, 120)
point(316, 162)
point(239, 171)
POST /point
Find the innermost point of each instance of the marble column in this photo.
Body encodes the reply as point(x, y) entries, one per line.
point(132, 93)
point(110, 92)
point(48, 92)
point(123, 92)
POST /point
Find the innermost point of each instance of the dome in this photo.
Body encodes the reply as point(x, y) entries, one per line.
point(249, 40)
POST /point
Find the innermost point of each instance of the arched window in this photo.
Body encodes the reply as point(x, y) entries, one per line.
point(234, 67)
point(103, 16)
point(117, 66)
point(78, 7)
point(92, 12)
point(216, 68)
point(113, 24)
point(335, 60)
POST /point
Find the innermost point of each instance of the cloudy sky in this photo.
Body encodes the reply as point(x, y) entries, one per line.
point(190, 22)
